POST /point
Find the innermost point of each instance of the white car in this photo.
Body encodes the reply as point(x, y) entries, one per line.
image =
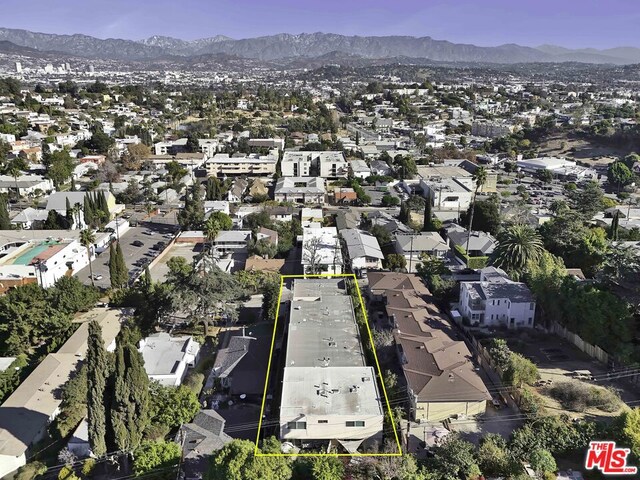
point(97, 276)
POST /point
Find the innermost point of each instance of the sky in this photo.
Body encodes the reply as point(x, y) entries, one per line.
point(569, 23)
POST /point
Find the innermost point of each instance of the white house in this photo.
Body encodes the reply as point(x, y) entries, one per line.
point(360, 169)
point(363, 250)
point(321, 251)
point(300, 190)
point(167, 358)
point(496, 300)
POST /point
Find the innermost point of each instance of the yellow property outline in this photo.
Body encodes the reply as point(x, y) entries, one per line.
point(257, 452)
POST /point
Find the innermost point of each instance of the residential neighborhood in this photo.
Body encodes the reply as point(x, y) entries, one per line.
point(282, 257)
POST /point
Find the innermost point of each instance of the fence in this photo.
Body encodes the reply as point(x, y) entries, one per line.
point(592, 350)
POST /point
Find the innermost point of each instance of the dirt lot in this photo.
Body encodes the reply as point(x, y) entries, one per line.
point(587, 152)
point(558, 361)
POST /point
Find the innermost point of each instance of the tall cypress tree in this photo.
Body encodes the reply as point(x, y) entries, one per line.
point(97, 372)
point(123, 272)
point(5, 222)
point(615, 226)
point(428, 224)
point(87, 210)
point(113, 267)
point(69, 214)
point(130, 407)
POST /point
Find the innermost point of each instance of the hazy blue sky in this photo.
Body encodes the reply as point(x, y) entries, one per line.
point(571, 23)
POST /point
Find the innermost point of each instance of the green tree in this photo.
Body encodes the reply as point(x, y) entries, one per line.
point(517, 247)
point(494, 457)
point(192, 215)
point(118, 271)
point(172, 406)
point(389, 200)
point(130, 405)
point(97, 374)
point(627, 430)
point(454, 459)
point(237, 461)
point(395, 262)
point(150, 456)
point(270, 296)
point(87, 239)
point(520, 370)
point(5, 222)
point(59, 166)
point(619, 174)
point(589, 200)
point(327, 468)
point(486, 217)
point(427, 223)
point(542, 462)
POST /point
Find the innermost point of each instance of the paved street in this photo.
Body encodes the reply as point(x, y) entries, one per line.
point(131, 252)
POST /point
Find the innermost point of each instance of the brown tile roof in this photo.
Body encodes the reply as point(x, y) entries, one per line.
point(256, 263)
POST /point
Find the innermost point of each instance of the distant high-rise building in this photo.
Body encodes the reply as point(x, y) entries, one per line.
point(91, 69)
point(48, 68)
point(18, 67)
point(67, 67)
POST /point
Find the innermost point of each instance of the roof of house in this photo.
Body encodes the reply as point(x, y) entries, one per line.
point(162, 352)
point(347, 219)
point(300, 185)
point(202, 437)
point(495, 283)
point(257, 263)
point(58, 200)
point(361, 244)
point(425, 242)
point(478, 241)
point(229, 356)
point(439, 369)
point(380, 282)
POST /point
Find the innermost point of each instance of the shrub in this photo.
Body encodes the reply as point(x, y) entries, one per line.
point(579, 396)
point(87, 466)
point(194, 381)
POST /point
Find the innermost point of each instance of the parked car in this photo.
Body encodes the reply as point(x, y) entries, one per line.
point(137, 243)
point(97, 276)
point(149, 232)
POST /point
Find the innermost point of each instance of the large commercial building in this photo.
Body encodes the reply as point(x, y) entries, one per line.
point(329, 393)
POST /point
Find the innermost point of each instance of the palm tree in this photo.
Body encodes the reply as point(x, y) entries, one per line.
point(480, 178)
point(88, 238)
point(211, 230)
point(517, 246)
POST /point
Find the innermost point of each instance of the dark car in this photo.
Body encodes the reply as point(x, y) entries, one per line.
point(137, 243)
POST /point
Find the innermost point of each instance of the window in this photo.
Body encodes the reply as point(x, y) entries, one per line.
point(498, 302)
point(357, 423)
point(297, 425)
point(531, 305)
point(530, 320)
point(323, 421)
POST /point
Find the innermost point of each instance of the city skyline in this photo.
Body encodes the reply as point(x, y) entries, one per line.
point(591, 24)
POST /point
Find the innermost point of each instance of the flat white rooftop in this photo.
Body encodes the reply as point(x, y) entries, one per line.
point(310, 391)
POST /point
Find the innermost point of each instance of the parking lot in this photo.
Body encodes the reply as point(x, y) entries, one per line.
point(146, 235)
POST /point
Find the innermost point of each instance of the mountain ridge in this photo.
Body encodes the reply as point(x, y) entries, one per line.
point(312, 45)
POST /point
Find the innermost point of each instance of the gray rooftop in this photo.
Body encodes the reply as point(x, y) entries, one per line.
point(322, 326)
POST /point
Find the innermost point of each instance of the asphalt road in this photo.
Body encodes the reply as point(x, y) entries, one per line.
point(131, 252)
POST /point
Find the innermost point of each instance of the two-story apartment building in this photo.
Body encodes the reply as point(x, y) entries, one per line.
point(329, 393)
point(496, 300)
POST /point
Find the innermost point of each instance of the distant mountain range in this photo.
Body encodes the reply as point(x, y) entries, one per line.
point(310, 46)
